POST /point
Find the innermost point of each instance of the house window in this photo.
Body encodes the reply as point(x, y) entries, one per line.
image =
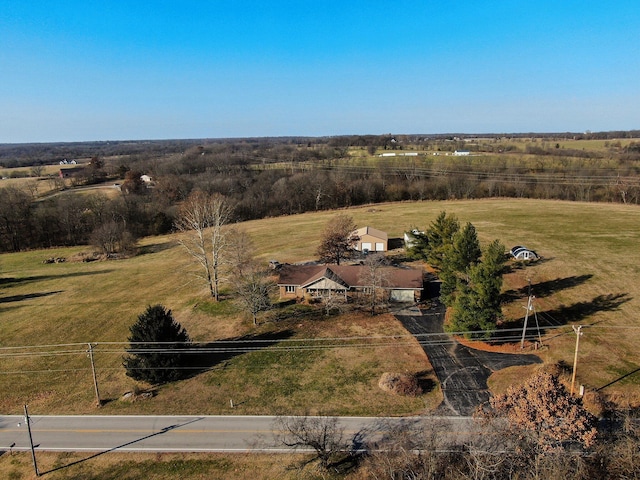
point(290, 289)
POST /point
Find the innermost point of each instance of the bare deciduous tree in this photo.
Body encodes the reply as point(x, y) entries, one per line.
point(323, 434)
point(238, 257)
point(333, 301)
point(111, 237)
point(409, 450)
point(201, 219)
point(338, 239)
point(375, 277)
point(254, 289)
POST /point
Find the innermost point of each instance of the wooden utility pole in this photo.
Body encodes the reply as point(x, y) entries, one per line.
point(575, 356)
point(33, 451)
point(95, 379)
point(530, 308)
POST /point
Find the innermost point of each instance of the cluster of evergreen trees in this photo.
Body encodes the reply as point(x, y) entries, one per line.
point(471, 278)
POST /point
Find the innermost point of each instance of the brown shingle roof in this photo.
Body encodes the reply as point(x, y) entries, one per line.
point(349, 275)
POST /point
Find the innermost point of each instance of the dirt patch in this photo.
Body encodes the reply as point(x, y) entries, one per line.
point(489, 347)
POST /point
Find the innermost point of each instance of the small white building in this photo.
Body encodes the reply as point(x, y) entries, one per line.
point(523, 253)
point(462, 153)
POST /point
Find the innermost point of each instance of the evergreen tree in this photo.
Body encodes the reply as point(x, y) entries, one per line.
point(431, 245)
point(486, 279)
point(456, 261)
point(157, 343)
point(449, 282)
point(439, 237)
point(466, 248)
point(476, 307)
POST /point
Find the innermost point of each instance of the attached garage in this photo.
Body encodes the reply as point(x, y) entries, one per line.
point(402, 295)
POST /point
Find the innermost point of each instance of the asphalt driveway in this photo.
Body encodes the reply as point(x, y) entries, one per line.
point(462, 371)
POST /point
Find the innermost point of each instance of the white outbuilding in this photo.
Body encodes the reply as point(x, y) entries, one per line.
point(523, 253)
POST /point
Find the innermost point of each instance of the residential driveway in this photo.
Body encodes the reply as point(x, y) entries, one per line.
point(462, 371)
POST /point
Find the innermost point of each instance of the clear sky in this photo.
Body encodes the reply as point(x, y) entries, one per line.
point(136, 69)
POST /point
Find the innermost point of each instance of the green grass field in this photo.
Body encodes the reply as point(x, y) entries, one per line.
point(588, 276)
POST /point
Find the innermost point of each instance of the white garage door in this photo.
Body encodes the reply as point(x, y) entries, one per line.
point(366, 246)
point(401, 296)
point(379, 247)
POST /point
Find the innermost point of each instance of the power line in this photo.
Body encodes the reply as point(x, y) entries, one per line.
point(250, 345)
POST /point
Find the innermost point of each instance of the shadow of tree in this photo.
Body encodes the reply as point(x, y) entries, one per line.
point(544, 289)
point(581, 310)
point(425, 380)
point(27, 296)
point(95, 455)
point(8, 309)
point(619, 379)
point(156, 247)
point(11, 282)
point(577, 312)
point(514, 265)
point(204, 357)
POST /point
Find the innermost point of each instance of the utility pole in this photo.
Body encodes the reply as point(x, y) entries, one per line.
point(575, 357)
point(530, 308)
point(95, 379)
point(33, 451)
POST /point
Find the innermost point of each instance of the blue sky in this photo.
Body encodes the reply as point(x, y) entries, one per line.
point(88, 70)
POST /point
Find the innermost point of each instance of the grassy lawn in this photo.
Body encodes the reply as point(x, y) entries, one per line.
point(133, 466)
point(73, 302)
point(588, 276)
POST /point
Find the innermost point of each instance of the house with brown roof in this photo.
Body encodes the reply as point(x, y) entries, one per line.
point(300, 281)
point(371, 240)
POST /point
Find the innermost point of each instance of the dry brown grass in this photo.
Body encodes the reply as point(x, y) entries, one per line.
point(588, 276)
point(133, 466)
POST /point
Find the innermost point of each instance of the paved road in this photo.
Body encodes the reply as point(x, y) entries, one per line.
point(462, 371)
point(188, 433)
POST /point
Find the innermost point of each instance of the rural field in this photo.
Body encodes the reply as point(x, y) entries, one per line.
point(587, 277)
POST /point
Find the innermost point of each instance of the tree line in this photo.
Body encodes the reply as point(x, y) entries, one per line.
point(263, 178)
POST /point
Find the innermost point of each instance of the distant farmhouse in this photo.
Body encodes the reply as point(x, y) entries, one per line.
point(371, 240)
point(317, 281)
